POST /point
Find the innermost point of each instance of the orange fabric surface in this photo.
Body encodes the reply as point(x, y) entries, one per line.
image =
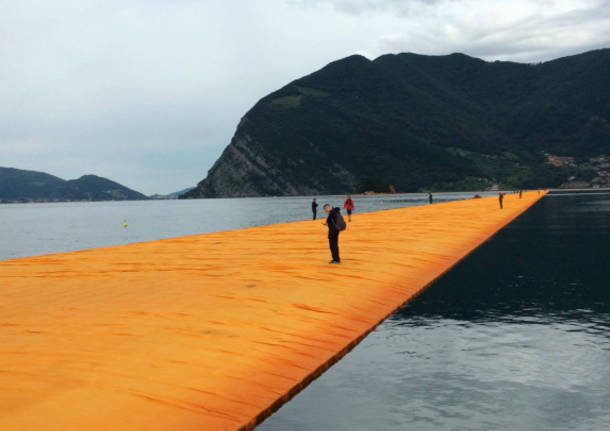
point(213, 331)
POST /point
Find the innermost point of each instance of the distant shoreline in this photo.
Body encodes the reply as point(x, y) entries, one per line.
point(589, 191)
point(16, 201)
point(551, 191)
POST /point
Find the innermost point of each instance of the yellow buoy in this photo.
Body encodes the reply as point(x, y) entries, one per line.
point(124, 224)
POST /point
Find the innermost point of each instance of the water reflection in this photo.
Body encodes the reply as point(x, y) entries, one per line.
point(514, 337)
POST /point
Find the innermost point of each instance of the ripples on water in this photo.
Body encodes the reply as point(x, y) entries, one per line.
point(515, 337)
point(31, 229)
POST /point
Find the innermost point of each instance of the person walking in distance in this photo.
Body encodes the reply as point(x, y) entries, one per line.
point(520, 193)
point(314, 208)
point(429, 198)
point(335, 224)
point(349, 207)
point(501, 199)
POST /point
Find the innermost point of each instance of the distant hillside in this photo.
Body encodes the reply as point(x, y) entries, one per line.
point(18, 185)
point(422, 122)
point(175, 195)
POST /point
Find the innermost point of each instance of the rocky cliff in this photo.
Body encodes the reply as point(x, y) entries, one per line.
point(420, 123)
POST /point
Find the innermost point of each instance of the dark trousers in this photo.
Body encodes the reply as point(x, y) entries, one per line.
point(314, 214)
point(333, 243)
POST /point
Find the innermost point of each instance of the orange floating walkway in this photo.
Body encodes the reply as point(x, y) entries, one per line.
point(213, 331)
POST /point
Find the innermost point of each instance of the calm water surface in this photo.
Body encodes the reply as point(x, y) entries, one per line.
point(31, 229)
point(515, 337)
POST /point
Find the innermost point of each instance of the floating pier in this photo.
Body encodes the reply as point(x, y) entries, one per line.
point(213, 331)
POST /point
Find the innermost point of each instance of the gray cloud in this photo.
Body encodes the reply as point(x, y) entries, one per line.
point(149, 92)
point(358, 7)
point(519, 30)
point(542, 34)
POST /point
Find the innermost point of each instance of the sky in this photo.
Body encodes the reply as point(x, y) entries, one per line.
point(149, 92)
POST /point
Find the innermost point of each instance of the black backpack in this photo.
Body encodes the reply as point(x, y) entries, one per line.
point(339, 222)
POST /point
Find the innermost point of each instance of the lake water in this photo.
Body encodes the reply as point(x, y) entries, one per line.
point(515, 337)
point(32, 229)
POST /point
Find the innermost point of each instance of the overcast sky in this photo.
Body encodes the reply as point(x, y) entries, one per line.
point(149, 92)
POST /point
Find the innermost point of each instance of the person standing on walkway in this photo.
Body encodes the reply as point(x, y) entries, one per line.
point(314, 208)
point(349, 207)
point(501, 199)
point(520, 193)
point(429, 198)
point(335, 224)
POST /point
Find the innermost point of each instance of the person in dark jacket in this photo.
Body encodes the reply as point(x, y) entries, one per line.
point(429, 198)
point(333, 233)
point(314, 208)
point(501, 199)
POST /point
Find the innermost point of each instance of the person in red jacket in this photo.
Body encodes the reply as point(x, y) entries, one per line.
point(349, 206)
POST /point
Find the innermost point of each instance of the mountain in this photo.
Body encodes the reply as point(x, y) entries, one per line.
point(17, 185)
point(94, 188)
point(175, 195)
point(421, 123)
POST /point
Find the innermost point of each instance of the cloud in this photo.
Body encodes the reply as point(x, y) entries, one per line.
point(519, 30)
point(149, 92)
point(358, 7)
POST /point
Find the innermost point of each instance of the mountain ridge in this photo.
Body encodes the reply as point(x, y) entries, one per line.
point(19, 185)
point(420, 123)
